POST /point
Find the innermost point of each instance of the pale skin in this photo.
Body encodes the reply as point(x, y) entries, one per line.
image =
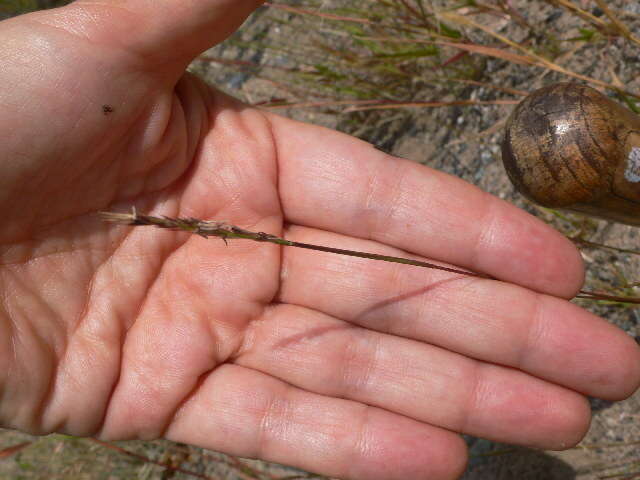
point(342, 366)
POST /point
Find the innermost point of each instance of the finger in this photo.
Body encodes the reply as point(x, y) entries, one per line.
point(246, 413)
point(331, 181)
point(161, 32)
point(327, 356)
point(484, 319)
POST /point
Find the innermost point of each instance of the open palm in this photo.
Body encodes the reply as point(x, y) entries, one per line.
point(347, 367)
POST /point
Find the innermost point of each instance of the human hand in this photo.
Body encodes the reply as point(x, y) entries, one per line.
point(347, 367)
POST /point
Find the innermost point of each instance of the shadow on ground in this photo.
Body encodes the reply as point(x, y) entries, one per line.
point(495, 462)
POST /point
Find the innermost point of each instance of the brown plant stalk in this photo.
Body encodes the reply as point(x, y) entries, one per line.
point(226, 231)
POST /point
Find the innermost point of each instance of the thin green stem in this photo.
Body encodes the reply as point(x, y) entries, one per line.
point(587, 295)
point(587, 243)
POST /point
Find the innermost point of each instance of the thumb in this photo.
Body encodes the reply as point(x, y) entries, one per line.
point(163, 31)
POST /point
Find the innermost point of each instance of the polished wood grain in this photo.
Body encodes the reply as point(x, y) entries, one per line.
point(568, 146)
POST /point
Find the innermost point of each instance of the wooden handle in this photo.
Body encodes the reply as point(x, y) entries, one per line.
point(568, 146)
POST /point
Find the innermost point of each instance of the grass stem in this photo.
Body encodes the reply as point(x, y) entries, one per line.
point(225, 231)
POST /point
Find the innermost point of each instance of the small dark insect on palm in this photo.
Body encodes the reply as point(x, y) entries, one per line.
point(107, 109)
